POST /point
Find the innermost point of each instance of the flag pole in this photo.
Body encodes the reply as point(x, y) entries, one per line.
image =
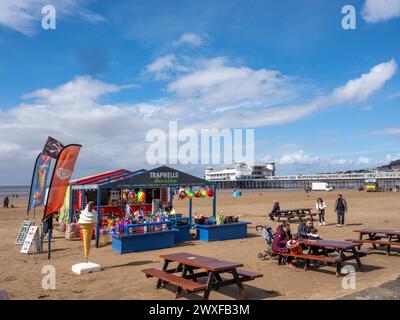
point(50, 229)
point(30, 191)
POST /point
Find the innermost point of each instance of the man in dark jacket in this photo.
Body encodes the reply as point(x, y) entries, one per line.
point(304, 228)
point(340, 209)
point(6, 201)
point(274, 210)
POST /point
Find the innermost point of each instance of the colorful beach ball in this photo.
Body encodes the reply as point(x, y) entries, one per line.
point(141, 196)
point(203, 194)
point(190, 194)
point(131, 196)
point(210, 192)
point(182, 194)
point(197, 194)
point(237, 194)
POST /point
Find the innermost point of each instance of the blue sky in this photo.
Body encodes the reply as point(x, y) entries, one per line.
point(319, 97)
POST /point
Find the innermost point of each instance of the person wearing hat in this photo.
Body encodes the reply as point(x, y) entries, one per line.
point(282, 236)
point(294, 246)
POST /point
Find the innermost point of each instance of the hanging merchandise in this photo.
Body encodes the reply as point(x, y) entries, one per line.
point(210, 192)
point(141, 197)
point(190, 194)
point(182, 193)
point(131, 197)
point(203, 193)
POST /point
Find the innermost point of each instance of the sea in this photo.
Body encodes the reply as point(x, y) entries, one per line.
point(13, 191)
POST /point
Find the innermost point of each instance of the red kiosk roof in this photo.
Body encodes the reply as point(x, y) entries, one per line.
point(100, 177)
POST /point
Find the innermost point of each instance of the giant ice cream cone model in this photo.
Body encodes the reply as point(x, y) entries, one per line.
point(87, 231)
point(87, 221)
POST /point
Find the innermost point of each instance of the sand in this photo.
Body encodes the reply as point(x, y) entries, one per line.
point(21, 275)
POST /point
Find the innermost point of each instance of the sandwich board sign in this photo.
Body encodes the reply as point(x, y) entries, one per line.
point(31, 237)
point(23, 231)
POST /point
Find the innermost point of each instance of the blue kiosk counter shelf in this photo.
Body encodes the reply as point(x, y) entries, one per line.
point(143, 237)
point(183, 227)
point(218, 232)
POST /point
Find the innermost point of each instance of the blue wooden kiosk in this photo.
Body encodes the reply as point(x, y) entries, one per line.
point(219, 232)
point(161, 177)
point(149, 240)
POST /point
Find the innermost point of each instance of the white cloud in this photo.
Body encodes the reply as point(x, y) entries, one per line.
point(391, 131)
point(217, 84)
point(191, 39)
point(25, 16)
point(380, 10)
point(363, 160)
point(392, 157)
point(340, 162)
point(213, 93)
point(363, 87)
point(298, 158)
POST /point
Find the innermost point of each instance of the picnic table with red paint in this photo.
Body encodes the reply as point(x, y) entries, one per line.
point(346, 251)
point(300, 213)
point(382, 237)
point(205, 267)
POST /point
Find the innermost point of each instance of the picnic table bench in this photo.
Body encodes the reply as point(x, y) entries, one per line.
point(300, 213)
point(382, 237)
point(346, 251)
point(212, 269)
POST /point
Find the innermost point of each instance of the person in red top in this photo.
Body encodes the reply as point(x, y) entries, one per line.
point(282, 236)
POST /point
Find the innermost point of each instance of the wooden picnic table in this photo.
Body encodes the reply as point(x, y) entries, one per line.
point(297, 212)
point(382, 237)
point(208, 267)
point(347, 250)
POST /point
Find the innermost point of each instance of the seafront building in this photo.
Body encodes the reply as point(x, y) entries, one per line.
point(262, 176)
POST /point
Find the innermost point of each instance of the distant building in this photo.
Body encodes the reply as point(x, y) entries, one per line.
point(241, 171)
point(260, 176)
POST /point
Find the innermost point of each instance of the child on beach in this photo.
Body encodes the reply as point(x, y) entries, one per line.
point(313, 235)
point(294, 246)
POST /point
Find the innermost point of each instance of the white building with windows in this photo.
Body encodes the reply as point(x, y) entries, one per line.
point(241, 171)
point(260, 176)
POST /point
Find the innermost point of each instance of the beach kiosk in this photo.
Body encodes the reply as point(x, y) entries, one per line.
point(162, 183)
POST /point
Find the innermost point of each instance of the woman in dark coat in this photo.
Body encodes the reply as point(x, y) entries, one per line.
point(282, 236)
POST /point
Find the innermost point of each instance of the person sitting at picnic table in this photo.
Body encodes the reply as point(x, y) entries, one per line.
point(282, 236)
point(294, 246)
point(313, 235)
point(340, 209)
point(274, 210)
point(304, 228)
point(304, 231)
point(321, 206)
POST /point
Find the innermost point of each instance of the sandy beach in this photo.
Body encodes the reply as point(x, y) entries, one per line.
point(121, 277)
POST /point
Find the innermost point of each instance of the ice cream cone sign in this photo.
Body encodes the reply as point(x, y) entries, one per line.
point(87, 221)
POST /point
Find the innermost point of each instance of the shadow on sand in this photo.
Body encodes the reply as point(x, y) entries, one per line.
point(131, 264)
point(231, 291)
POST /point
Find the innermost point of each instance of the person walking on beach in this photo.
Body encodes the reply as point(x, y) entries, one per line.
point(340, 209)
point(320, 205)
point(274, 210)
point(6, 202)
